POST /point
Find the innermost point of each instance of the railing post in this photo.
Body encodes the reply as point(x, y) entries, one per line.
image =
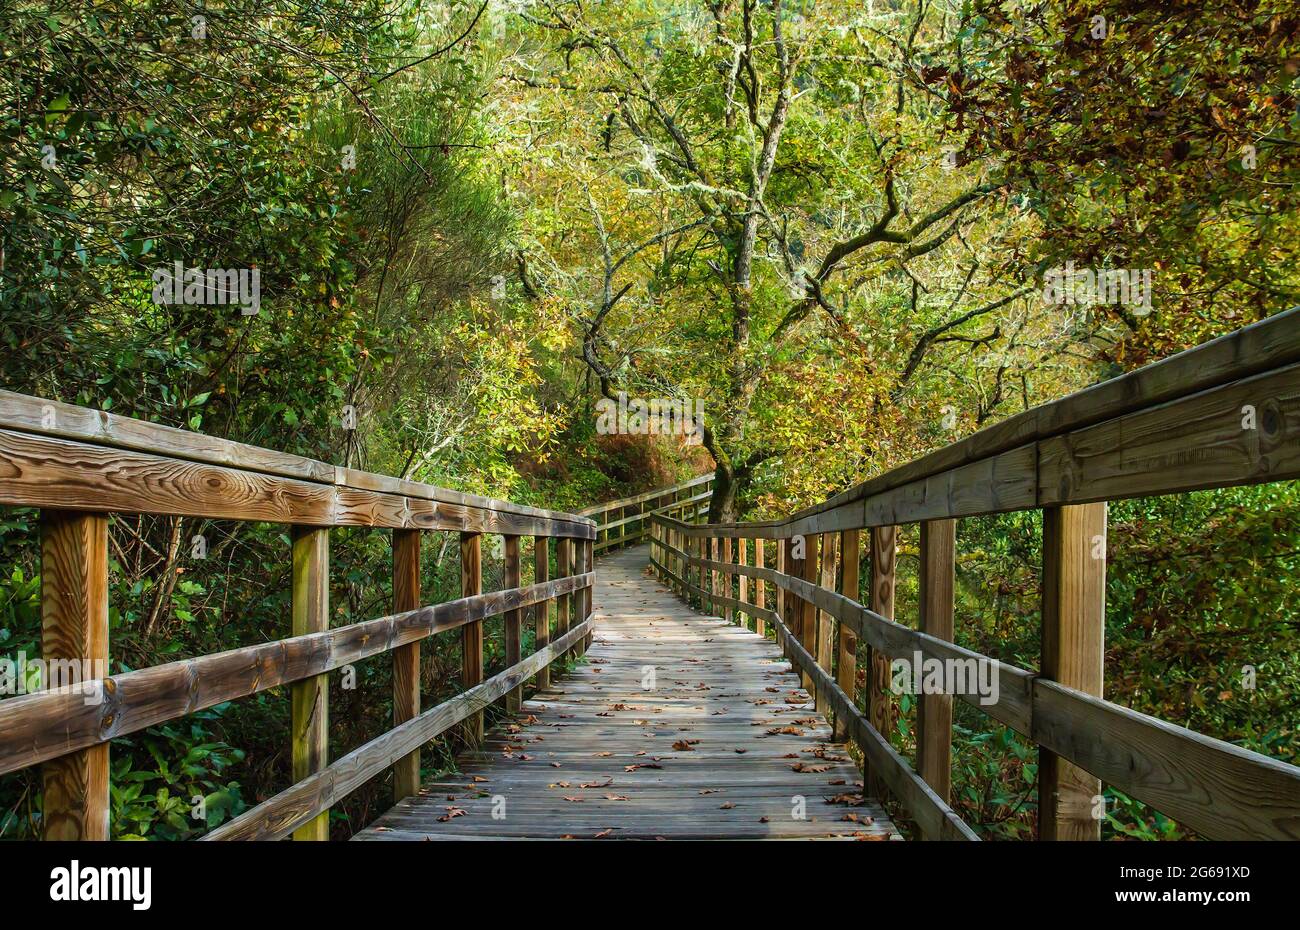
point(471, 637)
point(934, 712)
point(309, 698)
point(542, 610)
point(588, 564)
point(715, 576)
point(563, 569)
point(74, 625)
point(794, 568)
point(807, 608)
point(514, 621)
point(728, 612)
point(825, 636)
point(743, 581)
point(1073, 639)
point(406, 659)
point(846, 668)
point(760, 592)
point(880, 709)
point(782, 549)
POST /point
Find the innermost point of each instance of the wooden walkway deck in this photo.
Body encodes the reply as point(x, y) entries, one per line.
point(724, 744)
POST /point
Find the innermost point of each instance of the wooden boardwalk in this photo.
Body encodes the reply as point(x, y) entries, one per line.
point(722, 744)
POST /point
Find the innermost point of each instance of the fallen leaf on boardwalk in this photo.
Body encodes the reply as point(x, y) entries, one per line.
point(604, 833)
point(615, 797)
point(525, 757)
point(530, 719)
point(858, 818)
point(559, 784)
point(860, 835)
point(796, 700)
point(478, 778)
point(809, 769)
point(726, 805)
point(452, 812)
point(603, 755)
point(763, 820)
point(741, 751)
point(856, 800)
point(685, 745)
point(788, 730)
point(710, 790)
point(619, 707)
point(567, 798)
point(641, 765)
point(383, 829)
point(773, 690)
point(833, 781)
point(597, 784)
point(604, 713)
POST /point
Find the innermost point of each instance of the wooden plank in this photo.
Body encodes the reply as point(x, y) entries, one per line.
point(542, 611)
point(702, 761)
point(406, 659)
point(742, 558)
point(880, 705)
point(846, 669)
point(47, 724)
point(725, 578)
point(514, 620)
point(471, 634)
point(563, 568)
point(1270, 344)
point(74, 627)
point(934, 711)
point(309, 716)
point(1245, 432)
point(47, 472)
point(1221, 791)
point(276, 817)
point(825, 632)
point(760, 590)
point(1073, 633)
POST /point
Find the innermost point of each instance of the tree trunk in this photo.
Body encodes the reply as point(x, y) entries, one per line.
point(722, 505)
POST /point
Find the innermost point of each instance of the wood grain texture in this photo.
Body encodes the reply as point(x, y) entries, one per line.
point(309, 698)
point(880, 703)
point(514, 619)
point(934, 711)
point(406, 659)
point(760, 589)
point(542, 611)
point(728, 588)
point(47, 724)
point(807, 607)
point(825, 633)
point(742, 582)
point(276, 817)
point(709, 699)
point(1073, 633)
point(846, 666)
point(471, 634)
point(563, 568)
point(74, 626)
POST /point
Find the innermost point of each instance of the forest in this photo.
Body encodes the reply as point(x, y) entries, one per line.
point(441, 239)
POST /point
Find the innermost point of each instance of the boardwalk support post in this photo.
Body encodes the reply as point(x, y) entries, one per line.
point(934, 711)
point(542, 611)
point(880, 710)
point(514, 620)
point(406, 659)
point(74, 625)
point(309, 698)
point(1073, 636)
point(846, 669)
point(471, 637)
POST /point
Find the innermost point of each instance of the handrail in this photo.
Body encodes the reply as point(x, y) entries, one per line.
point(634, 527)
point(1224, 414)
point(78, 465)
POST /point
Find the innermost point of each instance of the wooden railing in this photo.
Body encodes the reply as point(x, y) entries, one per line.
point(79, 465)
point(630, 516)
point(1224, 414)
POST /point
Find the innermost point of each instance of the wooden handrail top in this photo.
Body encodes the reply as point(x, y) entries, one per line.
point(62, 456)
point(646, 496)
point(1164, 428)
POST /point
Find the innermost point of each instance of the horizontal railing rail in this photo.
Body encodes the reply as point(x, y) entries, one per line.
point(631, 515)
point(1221, 415)
point(79, 465)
